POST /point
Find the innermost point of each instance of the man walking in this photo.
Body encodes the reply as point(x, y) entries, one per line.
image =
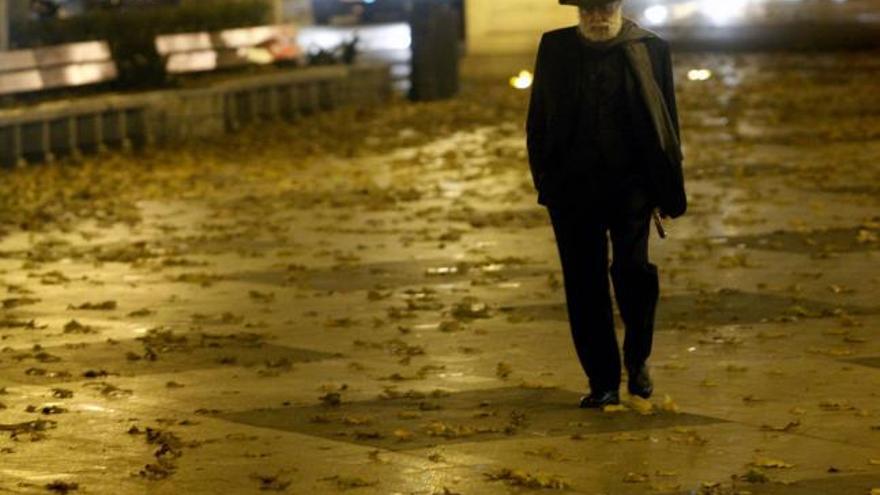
point(604, 153)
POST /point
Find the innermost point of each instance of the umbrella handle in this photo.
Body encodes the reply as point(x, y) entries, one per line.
point(661, 231)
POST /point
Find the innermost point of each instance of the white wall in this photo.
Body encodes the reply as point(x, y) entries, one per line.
point(500, 27)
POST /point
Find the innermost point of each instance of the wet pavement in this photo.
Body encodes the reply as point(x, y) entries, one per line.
point(370, 302)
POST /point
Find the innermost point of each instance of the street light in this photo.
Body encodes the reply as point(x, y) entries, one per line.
point(522, 81)
point(723, 11)
point(657, 14)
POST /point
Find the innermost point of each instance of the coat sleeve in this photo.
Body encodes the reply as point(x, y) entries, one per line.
point(536, 122)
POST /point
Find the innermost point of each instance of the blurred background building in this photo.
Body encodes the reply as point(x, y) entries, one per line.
point(514, 26)
point(489, 33)
point(490, 27)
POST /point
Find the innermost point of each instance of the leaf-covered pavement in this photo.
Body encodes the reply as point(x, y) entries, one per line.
point(368, 301)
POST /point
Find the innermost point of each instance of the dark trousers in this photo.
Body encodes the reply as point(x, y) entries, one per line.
point(582, 240)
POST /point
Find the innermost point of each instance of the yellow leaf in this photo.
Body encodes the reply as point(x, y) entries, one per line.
point(635, 478)
point(669, 405)
point(641, 405)
point(614, 408)
point(771, 463)
point(503, 370)
point(403, 435)
point(629, 437)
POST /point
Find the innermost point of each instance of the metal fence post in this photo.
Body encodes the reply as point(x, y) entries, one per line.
point(17, 146)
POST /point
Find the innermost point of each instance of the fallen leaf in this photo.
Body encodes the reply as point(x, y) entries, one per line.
point(15, 302)
point(642, 406)
point(520, 478)
point(101, 306)
point(787, 428)
point(62, 486)
point(349, 482)
point(636, 478)
point(669, 405)
point(766, 462)
point(503, 370)
point(614, 408)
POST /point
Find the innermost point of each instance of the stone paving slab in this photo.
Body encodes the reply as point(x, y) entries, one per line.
point(426, 419)
point(365, 276)
point(73, 362)
point(870, 361)
point(825, 241)
point(723, 307)
point(373, 252)
point(843, 484)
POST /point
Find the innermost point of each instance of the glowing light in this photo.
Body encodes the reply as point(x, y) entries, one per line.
point(427, 326)
point(657, 14)
point(723, 11)
point(94, 408)
point(699, 74)
point(522, 81)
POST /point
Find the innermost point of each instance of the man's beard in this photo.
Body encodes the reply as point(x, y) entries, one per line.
point(602, 32)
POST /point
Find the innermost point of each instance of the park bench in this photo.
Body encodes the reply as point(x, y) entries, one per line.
point(31, 73)
point(71, 126)
point(188, 53)
point(230, 48)
point(32, 133)
point(54, 67)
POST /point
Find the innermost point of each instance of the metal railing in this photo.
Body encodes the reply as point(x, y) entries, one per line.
point(68, 128)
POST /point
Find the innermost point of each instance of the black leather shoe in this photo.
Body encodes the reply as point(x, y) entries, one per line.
point(639, 382)
point(599, 400)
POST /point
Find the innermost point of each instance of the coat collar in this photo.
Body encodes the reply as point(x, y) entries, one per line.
point(630, 32)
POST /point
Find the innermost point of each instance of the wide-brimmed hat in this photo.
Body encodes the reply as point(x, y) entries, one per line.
point(586, 3)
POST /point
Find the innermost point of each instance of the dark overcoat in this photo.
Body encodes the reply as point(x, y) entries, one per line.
point(554, 105)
